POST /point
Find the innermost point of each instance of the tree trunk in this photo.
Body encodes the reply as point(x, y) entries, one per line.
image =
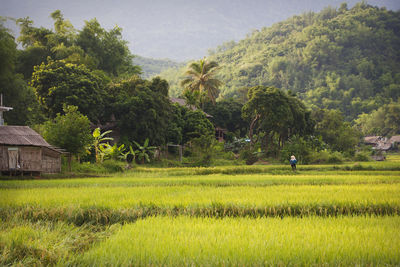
point(266, 143)
point(69, 161)
point(251, 128)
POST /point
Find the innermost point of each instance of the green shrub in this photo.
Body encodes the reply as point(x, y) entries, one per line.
point(114, 166)
point(362, 156)
point(335, 157)
point(203, 149)
point(249, 156)
point(236, 145)
point(108, 166)
point(326, 156)
point(86, 167)
point(320, 157)
point(299, 147)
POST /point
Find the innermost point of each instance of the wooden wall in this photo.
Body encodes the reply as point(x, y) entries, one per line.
point(51, 161)
point(3, 158)
point(33, 159)
point(30, 158)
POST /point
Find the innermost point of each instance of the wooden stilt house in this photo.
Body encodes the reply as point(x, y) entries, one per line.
point(24, 151)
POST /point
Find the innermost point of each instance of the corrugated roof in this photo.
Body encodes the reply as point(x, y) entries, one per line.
point(395, 138)
point(21, 135)
point(372, 139)
point(2, 108)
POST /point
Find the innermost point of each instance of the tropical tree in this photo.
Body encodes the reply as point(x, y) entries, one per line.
point(275, 113)
point(338, 134)
point(142, 109)
point(144, 151)
point(14, 89)
point(107, 48)
point(227, 114)
point(200, 76)
point(100, 147)
point(59, 82)
point(70, 131)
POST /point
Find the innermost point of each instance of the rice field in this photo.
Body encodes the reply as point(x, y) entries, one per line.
point(184, 241)
point(224, 216)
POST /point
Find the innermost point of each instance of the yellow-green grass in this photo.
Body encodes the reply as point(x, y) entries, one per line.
point(278, 168)
point(158, 179)
point(184, 241)
point(107, 205)
point(24, 243)
point(125, 197)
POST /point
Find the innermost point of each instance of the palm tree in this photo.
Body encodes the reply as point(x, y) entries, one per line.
point(200, 77)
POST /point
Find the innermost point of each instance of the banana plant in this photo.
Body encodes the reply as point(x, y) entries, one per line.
point(130, 155)
point(100, 148)
point(144, 151)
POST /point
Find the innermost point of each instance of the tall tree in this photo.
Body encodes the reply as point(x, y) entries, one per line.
point(227, 114)
point(14, 89)
point(58, 83)
point(337, 133)
point(70, 131)
point(200, 76)
point(384, 121)
point(109, 51)
point(142, 109)
point(274, 112)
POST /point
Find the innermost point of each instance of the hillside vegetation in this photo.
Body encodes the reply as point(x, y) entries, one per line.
point(346, 59)
point(151, 67)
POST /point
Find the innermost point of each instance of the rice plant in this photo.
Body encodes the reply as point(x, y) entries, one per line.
point(184, 241)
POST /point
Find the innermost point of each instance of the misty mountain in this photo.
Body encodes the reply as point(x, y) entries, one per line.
point(177, 29)
point(152, 67)
point(345, 58)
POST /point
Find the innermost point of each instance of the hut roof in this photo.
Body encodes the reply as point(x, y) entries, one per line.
point(395, 139)
point(383, 146)
point(21, 135)
point(2, 108)
point(372, 139)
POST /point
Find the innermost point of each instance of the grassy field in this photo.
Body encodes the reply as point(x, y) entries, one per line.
point(240, 215)
point(243, 241)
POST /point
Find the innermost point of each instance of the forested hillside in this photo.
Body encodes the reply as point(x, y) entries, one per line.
point(151, 67)
point(345, 58)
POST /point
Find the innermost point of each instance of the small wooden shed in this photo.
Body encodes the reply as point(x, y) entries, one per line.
point(24, 151)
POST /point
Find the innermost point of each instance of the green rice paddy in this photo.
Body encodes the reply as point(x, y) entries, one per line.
point(223, 216)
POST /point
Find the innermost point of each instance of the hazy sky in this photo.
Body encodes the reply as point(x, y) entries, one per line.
point(175, 29)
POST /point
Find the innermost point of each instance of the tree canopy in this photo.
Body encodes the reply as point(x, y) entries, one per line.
point(272, 111)
point(58, 83)
point(344, 59)
point(70, 131)
point(200, 76)
point(141, 108)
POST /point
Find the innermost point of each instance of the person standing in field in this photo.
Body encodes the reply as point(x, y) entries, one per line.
point(293, 162)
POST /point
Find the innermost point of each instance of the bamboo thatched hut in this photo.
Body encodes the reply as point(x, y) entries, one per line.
point(24, 151)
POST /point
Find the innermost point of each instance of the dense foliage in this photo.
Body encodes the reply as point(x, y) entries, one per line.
point(70, 131)
point(345, 59)
point(200, 77)
point(141, 109)
point(15, 91)
point(227, 114)
point(58, 83)
point(92, 70)
point(274, 113)
point(152, 67)
point(343, 64)
point(384, 121)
